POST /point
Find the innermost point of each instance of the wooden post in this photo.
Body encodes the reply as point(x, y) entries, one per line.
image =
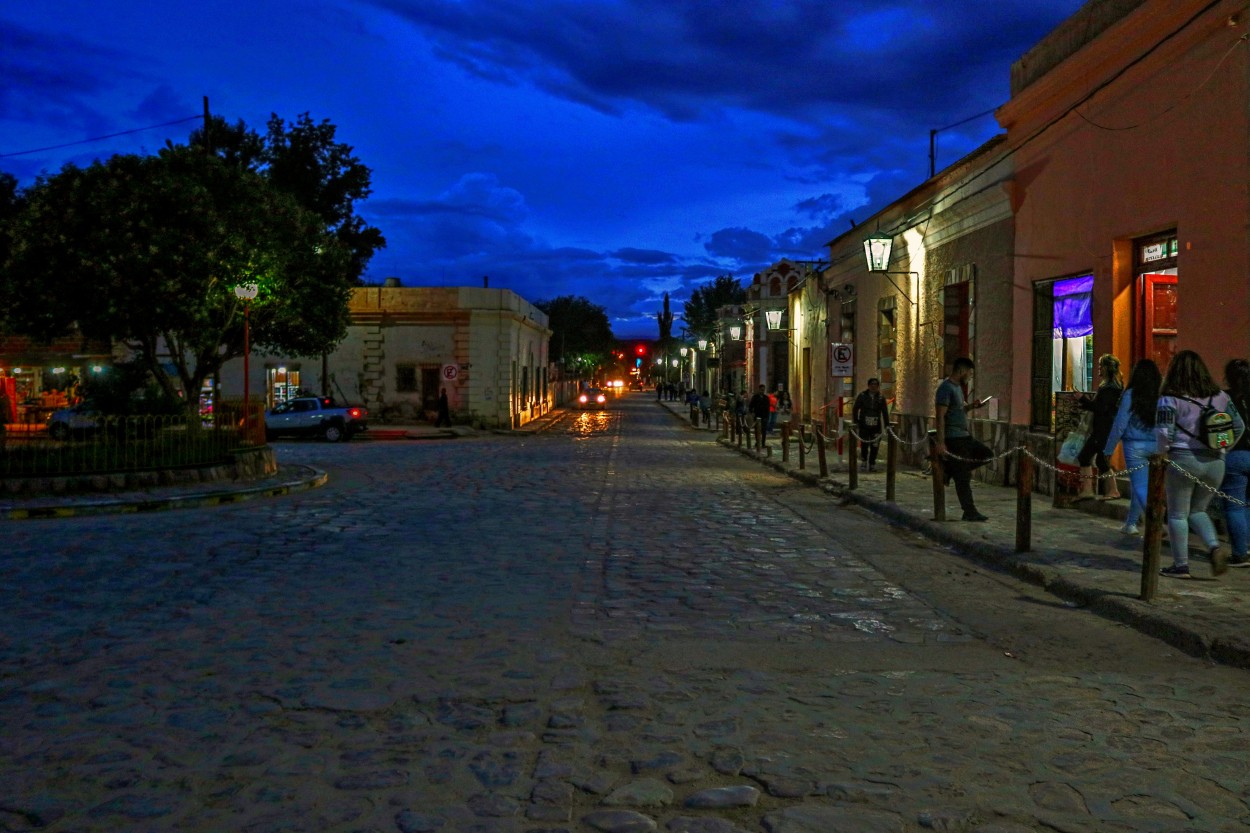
point(852, 464)
point(802, 449)
point(759, 434)
point(939, 488)
point(785, 442)
point(1156, 516)
point(891, 464)
point(1024, 501)
point(820, 453)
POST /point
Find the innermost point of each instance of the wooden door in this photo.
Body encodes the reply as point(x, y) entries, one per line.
point(1157, 319)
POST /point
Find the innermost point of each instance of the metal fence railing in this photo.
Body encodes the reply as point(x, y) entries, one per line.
point(105, 444)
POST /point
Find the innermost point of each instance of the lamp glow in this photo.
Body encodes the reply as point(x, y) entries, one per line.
point(773, 317)
point(877, 249)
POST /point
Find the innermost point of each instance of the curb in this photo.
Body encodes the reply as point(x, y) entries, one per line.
point(315, 479)
point(1139, 615)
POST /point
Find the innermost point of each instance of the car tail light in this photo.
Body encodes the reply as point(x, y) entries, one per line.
point(355, 413)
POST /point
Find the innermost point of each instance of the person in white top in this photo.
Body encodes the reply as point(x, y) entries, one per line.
point(1196, 467)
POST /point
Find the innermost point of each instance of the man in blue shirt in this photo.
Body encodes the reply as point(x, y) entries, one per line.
point(960, 452)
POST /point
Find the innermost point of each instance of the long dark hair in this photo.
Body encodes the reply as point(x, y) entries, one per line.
point(1188, 376)
point(1237, 374)
point(1144, 383)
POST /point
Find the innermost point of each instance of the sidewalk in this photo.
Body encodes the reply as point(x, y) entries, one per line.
point(1079, 556)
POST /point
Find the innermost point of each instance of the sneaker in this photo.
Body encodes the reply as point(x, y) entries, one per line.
point(1219, 560)
point(1130, 529)
point(975, 517)
point(1175, 572)
point(1239, 561)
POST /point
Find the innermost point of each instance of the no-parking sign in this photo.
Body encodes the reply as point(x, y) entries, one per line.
point(841, 360)
point(450, 372)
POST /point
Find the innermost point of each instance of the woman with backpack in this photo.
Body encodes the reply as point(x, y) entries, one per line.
point(1237, 464)
point(1196, 421)
point(1134, 426)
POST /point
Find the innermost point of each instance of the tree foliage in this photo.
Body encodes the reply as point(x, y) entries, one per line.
point(581, 335)
point(148, 249)
point(304, 159)
point(700, 310)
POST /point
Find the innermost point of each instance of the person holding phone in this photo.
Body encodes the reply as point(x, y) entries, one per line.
point(961, 453)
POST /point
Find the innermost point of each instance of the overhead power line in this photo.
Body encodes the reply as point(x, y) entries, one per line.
point(100, 138)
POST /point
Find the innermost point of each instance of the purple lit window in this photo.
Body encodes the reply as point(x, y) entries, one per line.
point(1072, 299)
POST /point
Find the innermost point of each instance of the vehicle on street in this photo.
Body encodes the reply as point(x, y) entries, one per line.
point(636, 384)
point(592, 399)
point(314, 416)
point(75, 421)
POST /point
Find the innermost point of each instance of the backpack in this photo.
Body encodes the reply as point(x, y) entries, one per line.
point(1215, 427)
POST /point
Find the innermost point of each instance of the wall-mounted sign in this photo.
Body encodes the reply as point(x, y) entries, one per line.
point(841, 360)
point(450, 372)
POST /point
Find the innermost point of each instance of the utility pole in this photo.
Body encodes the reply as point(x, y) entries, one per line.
point(208, 136)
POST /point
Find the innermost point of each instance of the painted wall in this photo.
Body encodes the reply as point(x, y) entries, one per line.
point(1139, 131)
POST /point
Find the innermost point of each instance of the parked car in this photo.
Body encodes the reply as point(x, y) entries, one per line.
point(74, 421)
point(591, 399)
point(313, 416)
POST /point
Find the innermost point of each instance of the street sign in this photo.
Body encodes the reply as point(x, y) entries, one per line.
point(450, 372)
point(841, 360)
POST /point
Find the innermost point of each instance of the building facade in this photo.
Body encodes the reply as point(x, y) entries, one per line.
point(1129, 130)
point(486, 347)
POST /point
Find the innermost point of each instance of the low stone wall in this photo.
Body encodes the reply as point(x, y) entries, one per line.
point(243, 465)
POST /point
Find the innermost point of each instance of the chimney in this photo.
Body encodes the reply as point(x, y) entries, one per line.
point(485, 281)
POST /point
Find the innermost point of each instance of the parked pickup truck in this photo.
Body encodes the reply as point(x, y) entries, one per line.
point(311, 416)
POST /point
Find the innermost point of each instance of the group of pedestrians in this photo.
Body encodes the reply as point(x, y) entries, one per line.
point(1185, 417)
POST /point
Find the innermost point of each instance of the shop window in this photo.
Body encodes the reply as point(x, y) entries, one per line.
point(406, 378)
point(1063, 344)
point(887, 338)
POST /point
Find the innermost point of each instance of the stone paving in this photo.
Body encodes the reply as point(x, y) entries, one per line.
point(611, 626)
point(1079, 555)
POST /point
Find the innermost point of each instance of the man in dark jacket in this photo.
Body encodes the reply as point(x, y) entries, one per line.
point(760, 408)
point(870, 416)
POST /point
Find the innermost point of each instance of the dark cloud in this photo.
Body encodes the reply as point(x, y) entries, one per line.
point(647, 256)
point(797, 59)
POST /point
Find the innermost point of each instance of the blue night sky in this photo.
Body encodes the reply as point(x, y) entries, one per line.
point(616, 149)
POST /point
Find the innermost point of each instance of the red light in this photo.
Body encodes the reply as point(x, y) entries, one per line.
point(641, 350)
point(354, 413)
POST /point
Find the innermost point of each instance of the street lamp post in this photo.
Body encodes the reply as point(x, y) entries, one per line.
point(247, 292)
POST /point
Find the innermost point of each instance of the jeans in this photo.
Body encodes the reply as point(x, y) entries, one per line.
point(869, 443)
point(1137, 458)
point(1188, 501)
point(976, 454)
point(1236, 478)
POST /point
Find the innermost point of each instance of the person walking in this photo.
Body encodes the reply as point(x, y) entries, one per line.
point(1237, 465)
point(1134, 428)
point(1187, 401)
point(785, 408)
point(1103, 404)
point(759, 408)
point(961, 453)
point(772, 413)
point(705, 408)
point(444, 410)
point(870, 414)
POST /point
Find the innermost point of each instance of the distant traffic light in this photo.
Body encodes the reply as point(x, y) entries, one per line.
point(641, 349)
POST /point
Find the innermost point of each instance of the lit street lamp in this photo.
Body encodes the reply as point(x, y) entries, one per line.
point(247, 292)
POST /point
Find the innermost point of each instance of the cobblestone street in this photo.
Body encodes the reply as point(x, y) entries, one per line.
point(613, 625)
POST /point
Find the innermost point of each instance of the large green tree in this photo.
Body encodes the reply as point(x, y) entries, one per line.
point(148, 249)
point(581, 335)
point(700, 310)
point(304, 159)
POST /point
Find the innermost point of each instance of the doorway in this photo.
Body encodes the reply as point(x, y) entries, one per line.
point(1155, 325)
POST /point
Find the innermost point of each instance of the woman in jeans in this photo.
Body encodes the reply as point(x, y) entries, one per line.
point(1103, 403)
point(1195, 469)
point(1237, 464)
point(1134, 426)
